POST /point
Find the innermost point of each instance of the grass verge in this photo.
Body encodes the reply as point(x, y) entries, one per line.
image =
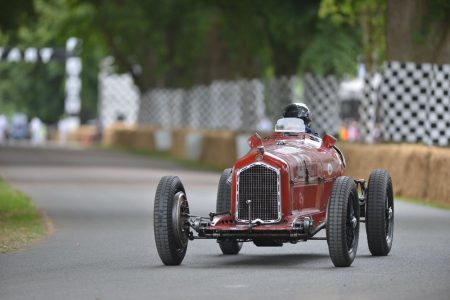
point(429, 203)
point(20, 222)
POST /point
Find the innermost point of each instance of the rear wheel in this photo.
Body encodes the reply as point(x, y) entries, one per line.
point(230, 246)
point(223, 205)
point(380, 213)
point(343, 222)
point(171, 220)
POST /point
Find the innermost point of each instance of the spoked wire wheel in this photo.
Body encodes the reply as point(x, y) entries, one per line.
point(343, 222)
point(380, 213)
point(223, 204)
point(180, 219)
point(171, 220)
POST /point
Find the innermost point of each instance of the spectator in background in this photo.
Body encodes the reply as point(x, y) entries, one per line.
point(62, 131)
point(343, 132)
point(353, 131)
point(36, 131)
point(3, 128)
point(377, 133)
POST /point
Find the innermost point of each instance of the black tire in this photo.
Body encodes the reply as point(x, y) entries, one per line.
point(223, 204)
point(343, 222)
point(380, 213)
point(170, 220)
point(230, 246)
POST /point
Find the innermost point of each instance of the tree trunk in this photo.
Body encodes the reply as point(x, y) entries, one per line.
point(418, 31)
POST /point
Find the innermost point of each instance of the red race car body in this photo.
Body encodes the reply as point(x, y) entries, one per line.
point(287, 188)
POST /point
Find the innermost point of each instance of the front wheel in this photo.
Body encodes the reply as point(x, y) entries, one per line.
point(380, 213)
point(223, 205)
point(171, 216)
point(343, 222)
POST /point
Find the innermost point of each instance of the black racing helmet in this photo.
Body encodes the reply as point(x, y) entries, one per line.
point(298, 110)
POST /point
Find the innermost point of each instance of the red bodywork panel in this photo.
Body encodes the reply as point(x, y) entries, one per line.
point(308, 167)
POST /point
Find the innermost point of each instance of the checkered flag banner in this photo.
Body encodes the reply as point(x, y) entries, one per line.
point(439, 106)
point(368, 107)
point(407, 102)
point(245, 105)
point(321, 96)
point(221, 105)
point(118, 99)
point(280, 92)
point(415, 103)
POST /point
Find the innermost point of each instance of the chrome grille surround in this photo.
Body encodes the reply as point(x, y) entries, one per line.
point(260, 183)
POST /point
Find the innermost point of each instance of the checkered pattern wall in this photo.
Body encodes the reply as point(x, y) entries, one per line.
point(368, 107)
point(280, 92)
point(321, 96)
point(439, 106)
point(410, 101)
point(415, 103)
point(221, 105)
point(118, 96)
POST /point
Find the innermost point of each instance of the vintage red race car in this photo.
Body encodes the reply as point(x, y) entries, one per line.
point(287, 188)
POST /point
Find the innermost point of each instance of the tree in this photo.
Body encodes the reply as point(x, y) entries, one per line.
point(333, 50)
point(290, 26)
point(14, 14)
point(369, 15)
point(418, 30)
point(180, 43)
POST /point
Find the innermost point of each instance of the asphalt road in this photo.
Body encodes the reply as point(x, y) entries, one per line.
point(103, 246)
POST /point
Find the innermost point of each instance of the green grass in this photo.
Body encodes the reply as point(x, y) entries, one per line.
point(20, 222)
point(429, 203)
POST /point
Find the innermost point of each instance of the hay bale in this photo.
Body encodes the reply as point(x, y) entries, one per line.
point(438, 176)
point(125, 137)
point(179, 148)
point(85, 135)
point(219, 148)
point(407, 164)
point(144, 138)
point(118, 135)
point(186, 143)
point(411, 169)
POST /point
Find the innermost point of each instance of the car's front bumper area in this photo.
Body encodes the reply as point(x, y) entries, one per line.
point(225, 227)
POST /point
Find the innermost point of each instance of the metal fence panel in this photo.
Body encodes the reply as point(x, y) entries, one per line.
point(411, 102)
point(321, 96)
point(118, 97)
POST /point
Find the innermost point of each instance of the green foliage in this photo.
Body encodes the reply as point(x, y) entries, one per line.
point(26, 89)
point(179, 43)
point(433, 23)
point(159, 42)
point(38, 89)
point(369, 15)
point(15, 13)
point(334, 50)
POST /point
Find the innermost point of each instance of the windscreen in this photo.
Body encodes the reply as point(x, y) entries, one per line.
point(290, 125)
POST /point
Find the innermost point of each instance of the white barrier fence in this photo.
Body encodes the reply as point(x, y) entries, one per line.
point(407, 102)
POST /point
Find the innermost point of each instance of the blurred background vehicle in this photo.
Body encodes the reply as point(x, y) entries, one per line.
point(19, 126)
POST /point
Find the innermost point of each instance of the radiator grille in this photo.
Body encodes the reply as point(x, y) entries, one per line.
point(261, 184)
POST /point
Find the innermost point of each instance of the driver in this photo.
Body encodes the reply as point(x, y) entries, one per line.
point(301, 111)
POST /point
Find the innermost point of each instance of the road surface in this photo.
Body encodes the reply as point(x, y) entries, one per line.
point(103, 245)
